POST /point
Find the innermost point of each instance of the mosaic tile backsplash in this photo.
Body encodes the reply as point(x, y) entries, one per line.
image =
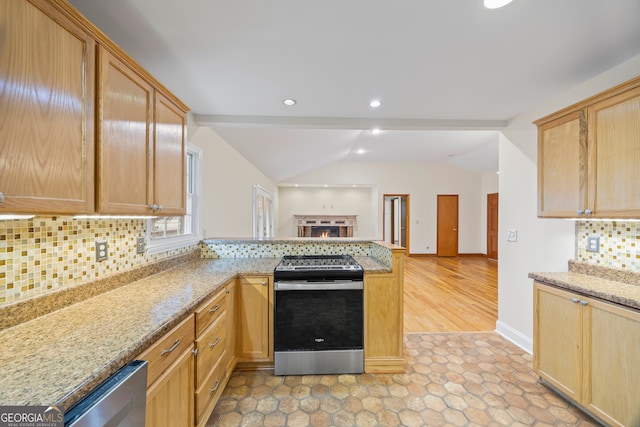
point(618, 243)
point(43, 254)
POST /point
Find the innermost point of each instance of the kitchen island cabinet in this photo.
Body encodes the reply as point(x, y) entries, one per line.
point(588, 155)
point(46, 111)
point(588, 350)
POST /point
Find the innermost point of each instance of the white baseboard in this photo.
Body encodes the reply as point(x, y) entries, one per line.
point(522, 341)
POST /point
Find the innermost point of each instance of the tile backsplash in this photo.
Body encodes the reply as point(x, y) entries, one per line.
point(43, 254)
point(618, 243)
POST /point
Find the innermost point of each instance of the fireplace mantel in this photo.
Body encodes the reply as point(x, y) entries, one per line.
point(325, 225)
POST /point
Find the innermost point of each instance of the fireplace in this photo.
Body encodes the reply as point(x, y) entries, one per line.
point(325, 225)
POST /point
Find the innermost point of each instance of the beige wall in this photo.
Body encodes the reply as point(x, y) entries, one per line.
point(423, 182)
point(227, 187)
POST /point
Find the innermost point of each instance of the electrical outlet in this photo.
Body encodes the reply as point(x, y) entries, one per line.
point(593, 244)
point(512, 235)
point(141, 245)
point(102, 250)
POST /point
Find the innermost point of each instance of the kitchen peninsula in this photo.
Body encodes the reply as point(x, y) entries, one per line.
point(59, 357)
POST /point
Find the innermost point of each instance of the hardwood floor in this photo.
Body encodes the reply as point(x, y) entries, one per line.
point(457, 294)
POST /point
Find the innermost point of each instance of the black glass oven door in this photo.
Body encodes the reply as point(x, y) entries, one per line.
point(318, 320)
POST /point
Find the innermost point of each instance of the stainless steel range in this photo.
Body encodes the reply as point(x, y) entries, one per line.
point(319, 306)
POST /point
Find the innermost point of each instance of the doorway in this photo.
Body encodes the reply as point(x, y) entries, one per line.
point(447, 225)
point(492, 226)
point(395, 214)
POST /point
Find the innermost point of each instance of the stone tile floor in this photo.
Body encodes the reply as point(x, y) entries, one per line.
point(451, 379)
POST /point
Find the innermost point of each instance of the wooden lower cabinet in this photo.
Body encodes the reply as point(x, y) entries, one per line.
point(232, 326)
point(171, 377)
point(589, 350)
point(383, 322)
point(254, 345)
point(170, 399)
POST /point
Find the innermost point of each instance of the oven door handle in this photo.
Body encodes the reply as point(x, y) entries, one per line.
point(303, 285)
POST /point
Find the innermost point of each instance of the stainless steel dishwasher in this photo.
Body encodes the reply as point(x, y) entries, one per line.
point(119, 401)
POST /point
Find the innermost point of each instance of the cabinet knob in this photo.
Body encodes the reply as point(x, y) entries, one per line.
point(580, 211)
point(154, 207)
point(264, 283)
point(588, 212)
point(1, 197)
point(584, 302)
point(574, 300)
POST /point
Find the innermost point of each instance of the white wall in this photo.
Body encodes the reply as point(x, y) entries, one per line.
point(423, 182)
point(543, 244)
point(324, 201)
point(227, 187)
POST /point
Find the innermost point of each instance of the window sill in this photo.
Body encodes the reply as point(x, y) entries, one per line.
point(171, 243)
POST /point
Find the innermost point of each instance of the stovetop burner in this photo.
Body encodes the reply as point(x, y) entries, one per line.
point(321, 267)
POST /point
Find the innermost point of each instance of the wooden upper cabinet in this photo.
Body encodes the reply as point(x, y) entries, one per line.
point(141, 144)
point(46, 111)
point(562, 173)
point(614, 144)
point(125, 114)
point(169, 157)
point(588, 157)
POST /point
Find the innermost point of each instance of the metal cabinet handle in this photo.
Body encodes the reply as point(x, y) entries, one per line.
point(264, 283)
point(215, 387)
point(214, 309)
point(1, 197)
point(215, 343)
point(584, 302)
point(574, 300)
point(580, 211)
point(194, 351)
point(173, 347)
point(588, 212)
point(227, 291)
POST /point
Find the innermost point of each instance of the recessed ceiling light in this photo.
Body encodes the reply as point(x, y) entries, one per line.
point(375, 103)
point(289, 102)
point(375, 131)
point(361, 151)
point(494, 4)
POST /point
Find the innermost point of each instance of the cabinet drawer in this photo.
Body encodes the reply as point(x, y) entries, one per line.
point(209, 311)
point(211, 346)
point(210, 389)
point(167, 349)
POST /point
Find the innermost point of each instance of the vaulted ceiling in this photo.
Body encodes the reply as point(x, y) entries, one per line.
point(449, 73)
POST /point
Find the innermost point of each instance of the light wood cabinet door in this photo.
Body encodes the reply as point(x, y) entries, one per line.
point(125, 114)
point(612, 358)
point(170, 399)
point(562, 166)
point(46, 111)
point(614, 146)
point(383, 318)
point(255, 319)
point(557, 343)
point(169, 157)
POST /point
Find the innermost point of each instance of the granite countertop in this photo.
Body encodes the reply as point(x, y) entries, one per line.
point(627, 294)
point(57, 358)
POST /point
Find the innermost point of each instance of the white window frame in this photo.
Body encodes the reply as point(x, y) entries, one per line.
point(260, 191)
point(164, 244)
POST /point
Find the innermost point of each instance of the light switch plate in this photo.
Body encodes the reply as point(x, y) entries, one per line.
point(593, 244)
point(140, 245)
point(512, 235)
point(102, 250)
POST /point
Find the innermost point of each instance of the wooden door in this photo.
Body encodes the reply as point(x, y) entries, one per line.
point(492, 226)
point(562, 166)
point(557, 351)
point(614, 151)
point(611, 361)
point(46, 111)
point(396, 219)
point(447, 225)
point(125, 106)
point(169, 176)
